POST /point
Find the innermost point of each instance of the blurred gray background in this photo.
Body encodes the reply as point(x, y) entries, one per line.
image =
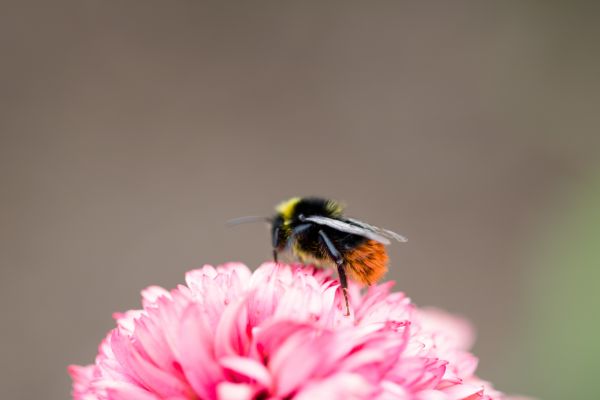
point(131, 131)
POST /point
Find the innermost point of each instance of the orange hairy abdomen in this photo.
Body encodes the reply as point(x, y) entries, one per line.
point(367, 263)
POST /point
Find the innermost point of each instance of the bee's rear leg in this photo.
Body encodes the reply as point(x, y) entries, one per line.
point(344, 284)
point(339, 261)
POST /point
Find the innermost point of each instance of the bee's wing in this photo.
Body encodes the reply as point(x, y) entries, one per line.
point(381, 231)
point(348, 228)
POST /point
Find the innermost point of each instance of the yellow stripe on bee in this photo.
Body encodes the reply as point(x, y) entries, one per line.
point(286, 208)
point(306, 257)
point(336, 209)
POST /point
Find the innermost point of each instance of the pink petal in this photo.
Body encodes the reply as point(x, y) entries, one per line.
point(417, 374)
point(232, 336)
point(82, 377)
point(342, 386)
point(147, 374)
point(127, 391)
point(431, 395)
point(235, 391)
point(154, 345)
point(196, 355)
point(457, 330)
point(297, 359)
point(463, 392)
point(151, 294)
point(248, 367)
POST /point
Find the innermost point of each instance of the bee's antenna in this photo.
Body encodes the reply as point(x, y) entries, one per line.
point(248, 219)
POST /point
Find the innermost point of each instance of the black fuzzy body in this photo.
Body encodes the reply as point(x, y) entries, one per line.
point(307, 243)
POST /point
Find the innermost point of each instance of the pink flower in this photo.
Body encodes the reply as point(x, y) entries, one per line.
point(279, 333)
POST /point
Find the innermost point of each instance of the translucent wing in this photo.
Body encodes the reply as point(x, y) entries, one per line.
point(381, 231)
point(348, 228)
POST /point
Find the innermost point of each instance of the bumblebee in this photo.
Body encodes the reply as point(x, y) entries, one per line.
point(316, 231)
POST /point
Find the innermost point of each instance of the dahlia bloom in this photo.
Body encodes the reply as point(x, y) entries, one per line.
point(281, 333)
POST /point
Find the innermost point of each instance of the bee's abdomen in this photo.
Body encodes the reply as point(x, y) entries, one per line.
point(367, 263)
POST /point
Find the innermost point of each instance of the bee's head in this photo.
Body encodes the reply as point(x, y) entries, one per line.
point(289, 215)
point(280, 233)
point(284, 221)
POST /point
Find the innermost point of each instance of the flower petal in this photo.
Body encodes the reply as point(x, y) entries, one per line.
point(249, 368)
point(342, 386)
point(196, 354)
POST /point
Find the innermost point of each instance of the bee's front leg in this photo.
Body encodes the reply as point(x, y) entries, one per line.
point(296, 233)
point(339, 261)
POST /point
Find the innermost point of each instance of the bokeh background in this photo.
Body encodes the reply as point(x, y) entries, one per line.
point(131, 131)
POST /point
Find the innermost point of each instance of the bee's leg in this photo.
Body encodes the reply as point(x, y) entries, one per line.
point(344, 283)
point(339, 261)
point(295, 233)
point(275, 240)
point(301, 228)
